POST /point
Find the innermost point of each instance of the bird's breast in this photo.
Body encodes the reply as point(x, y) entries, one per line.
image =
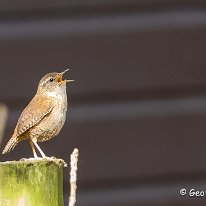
point(52, 123)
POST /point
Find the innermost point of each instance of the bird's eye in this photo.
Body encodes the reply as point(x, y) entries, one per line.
point(51, 80)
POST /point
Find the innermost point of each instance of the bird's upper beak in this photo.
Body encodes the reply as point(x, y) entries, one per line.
point(60, 80)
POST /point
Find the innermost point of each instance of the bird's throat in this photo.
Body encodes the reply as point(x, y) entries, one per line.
point(52, 94)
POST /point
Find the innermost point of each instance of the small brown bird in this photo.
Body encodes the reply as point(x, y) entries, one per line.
point(44, 116)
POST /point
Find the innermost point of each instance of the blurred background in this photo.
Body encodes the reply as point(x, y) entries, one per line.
point(137, 108)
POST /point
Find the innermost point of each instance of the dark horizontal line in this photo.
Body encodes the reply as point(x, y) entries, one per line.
point(59, 27)
point(92, 8)
point(125, 182)
point(149, 94)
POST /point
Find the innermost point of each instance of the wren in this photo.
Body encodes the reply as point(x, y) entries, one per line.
point(44, 116)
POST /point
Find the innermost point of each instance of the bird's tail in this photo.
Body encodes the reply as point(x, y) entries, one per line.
point(10, 145)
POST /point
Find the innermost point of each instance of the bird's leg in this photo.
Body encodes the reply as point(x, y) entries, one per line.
point(33, 149)
point(37, 146)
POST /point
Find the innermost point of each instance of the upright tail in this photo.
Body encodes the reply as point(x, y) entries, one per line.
point(10, 145)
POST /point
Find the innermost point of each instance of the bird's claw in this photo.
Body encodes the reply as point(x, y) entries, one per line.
point(54, 159)
point(31, 158)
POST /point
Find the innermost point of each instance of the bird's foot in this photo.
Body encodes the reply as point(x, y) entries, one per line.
point(31, 158)
point(57, 160)
point(48, 158)
point(54, 159)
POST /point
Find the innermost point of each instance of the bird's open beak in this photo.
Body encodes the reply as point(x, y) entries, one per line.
point(60, 80)
point(64, 71)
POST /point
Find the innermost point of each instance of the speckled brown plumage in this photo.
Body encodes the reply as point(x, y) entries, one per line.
point(44, 116)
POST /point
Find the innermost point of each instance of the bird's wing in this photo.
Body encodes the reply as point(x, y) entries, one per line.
point(36, 110)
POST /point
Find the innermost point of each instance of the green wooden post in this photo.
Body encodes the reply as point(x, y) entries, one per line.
point(31, 183)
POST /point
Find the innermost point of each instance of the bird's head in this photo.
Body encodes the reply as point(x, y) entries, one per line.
point(53, 82)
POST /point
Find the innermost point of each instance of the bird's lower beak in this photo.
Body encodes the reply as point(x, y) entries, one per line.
point(66, 80)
